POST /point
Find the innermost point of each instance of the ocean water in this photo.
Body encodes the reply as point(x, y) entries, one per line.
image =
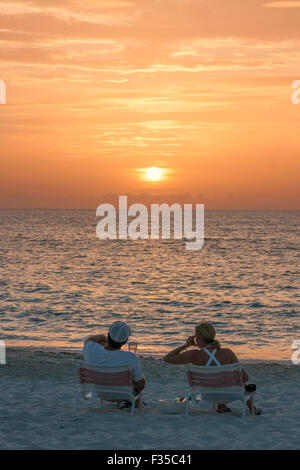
point(60, 283)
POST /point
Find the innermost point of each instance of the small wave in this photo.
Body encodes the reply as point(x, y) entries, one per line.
point(231, 286)
point(256, 305)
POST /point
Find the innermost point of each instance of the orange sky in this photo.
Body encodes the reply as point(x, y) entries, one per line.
point(98, 89)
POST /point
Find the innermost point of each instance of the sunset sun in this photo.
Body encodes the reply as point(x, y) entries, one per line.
point(154, 174)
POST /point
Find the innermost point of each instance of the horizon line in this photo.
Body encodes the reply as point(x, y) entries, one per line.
point(94, 209)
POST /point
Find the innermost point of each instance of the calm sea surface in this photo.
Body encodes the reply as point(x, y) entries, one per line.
point(60, 283)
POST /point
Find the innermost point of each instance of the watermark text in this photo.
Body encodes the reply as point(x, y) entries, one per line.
point(187, 223)
point(2, 92)
point(296, 352)
point(296, 94)
point(2, 352)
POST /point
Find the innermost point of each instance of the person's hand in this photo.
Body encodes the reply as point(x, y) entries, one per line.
point(101, 339)
point(190, 341)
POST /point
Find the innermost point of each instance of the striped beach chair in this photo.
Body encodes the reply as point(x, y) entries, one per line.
point(108, 383)
point(217, 384)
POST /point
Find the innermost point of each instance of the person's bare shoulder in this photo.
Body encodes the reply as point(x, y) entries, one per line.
point(198, 358)
point(228, 353)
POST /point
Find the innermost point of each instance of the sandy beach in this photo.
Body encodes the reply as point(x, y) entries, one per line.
point(38, 390)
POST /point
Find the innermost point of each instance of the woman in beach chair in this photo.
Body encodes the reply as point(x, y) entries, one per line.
point(210, 353)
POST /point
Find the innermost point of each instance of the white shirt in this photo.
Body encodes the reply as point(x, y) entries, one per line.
point(96, 354)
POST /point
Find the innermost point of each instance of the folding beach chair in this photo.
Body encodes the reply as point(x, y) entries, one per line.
point(108, 383)
point(217, 384)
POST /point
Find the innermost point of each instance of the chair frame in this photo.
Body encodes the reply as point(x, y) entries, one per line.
point(113, 383)
point(205, 381)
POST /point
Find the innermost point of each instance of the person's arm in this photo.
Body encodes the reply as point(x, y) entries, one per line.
point(245, 374)
point(176, 356)
point(139, 385)
point(139, 380)
point(96, 339)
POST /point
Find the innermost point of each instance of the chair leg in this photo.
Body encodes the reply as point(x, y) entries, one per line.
point(250, 403)
point(132, 407)
point(76, 402)
point(244, 410)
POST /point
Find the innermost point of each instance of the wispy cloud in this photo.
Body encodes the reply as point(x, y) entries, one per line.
point(66, 14)
point(285, 4)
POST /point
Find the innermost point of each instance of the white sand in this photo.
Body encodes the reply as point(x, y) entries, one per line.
point(38, 391)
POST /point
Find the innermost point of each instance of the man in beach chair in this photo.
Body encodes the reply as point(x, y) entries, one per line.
point(97, 351)
point(210, 353)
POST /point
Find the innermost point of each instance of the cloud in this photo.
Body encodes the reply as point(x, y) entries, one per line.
point(66, 14)
point(286, 4)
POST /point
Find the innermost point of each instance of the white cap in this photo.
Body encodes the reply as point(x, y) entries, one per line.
point(119, 332)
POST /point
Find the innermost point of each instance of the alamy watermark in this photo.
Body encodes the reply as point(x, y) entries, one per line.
point(296, 353)
point(2, 92)
point(138, 227)
point(2, 352)
point(296, 94)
